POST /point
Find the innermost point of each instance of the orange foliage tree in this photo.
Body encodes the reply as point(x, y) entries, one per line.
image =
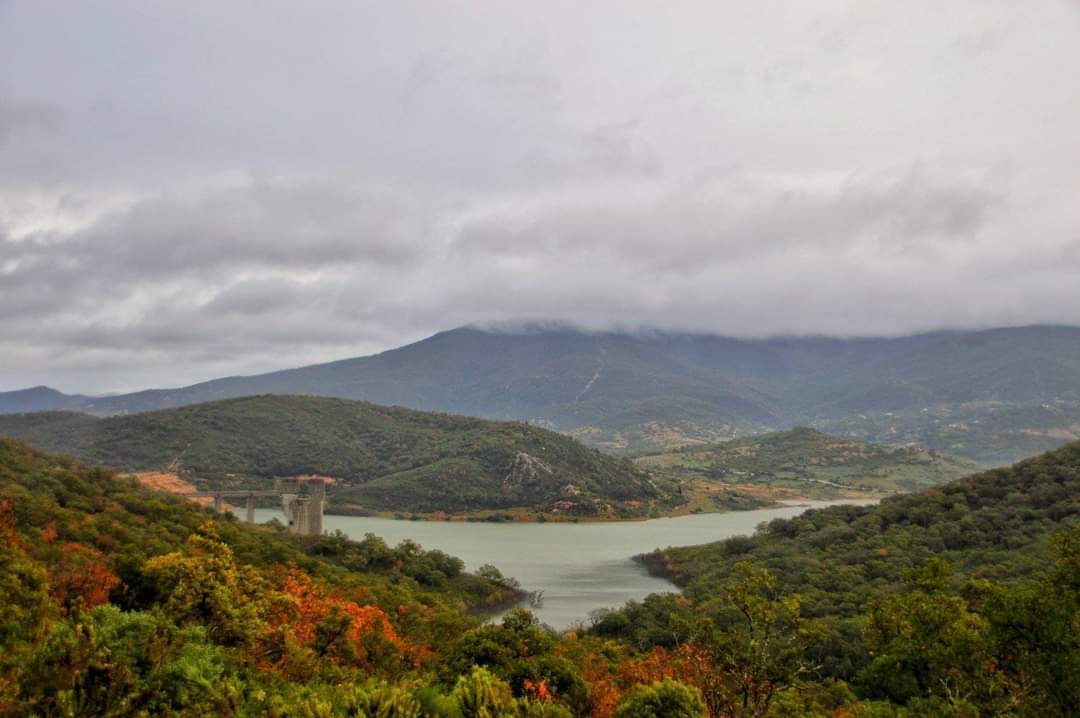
point(690, 664)
point(313, 623)
point(80, 577)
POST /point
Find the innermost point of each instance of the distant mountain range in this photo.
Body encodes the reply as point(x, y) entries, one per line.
point(40, 398)
point(383, 458)
point(994, 395)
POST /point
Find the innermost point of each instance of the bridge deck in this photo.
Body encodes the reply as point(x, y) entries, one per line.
point(232, 494)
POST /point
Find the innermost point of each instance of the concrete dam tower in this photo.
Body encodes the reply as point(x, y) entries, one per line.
point(302, 499)
point(303, 513)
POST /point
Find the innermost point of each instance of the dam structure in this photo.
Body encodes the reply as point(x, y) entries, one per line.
point(303, 514)
point(302, 499)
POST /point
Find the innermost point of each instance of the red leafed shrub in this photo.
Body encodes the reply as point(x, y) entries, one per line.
point(314, 623)
point(80, 575)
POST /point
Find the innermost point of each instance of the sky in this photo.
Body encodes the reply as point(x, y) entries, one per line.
point(197, 189)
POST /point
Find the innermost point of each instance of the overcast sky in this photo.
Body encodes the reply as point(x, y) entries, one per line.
point(193, 189)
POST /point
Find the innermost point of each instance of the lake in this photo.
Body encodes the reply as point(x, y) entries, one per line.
point(579, 567)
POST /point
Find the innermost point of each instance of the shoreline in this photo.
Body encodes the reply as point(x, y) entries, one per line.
point(524, 516)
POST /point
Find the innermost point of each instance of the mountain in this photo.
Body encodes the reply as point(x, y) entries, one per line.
point(810, 462)
point(39, 398)
point(994, 395)
point(383, 458)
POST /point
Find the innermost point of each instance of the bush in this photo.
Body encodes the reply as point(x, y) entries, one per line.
point(666, 699)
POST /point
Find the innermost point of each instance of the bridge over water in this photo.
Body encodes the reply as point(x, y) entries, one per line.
point(303, 511)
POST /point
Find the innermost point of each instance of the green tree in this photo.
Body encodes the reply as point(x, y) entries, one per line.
point(108, 662)
point(381, 700)
point(756, 639)
point(204, 585)
point(927, 644)
point(1035, 631)
point(481, 695)
point(666, 699)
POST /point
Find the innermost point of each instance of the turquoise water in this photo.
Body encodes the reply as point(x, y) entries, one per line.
point(579, 567)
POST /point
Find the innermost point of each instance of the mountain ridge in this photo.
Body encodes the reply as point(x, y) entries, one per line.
point(652, 390)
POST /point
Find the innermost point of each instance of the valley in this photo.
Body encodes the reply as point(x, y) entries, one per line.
point(569, 570)
point(539, 360)
point(805, 463)
point(462, 554)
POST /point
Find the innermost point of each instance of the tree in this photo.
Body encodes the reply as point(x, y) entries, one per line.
point(1035, 631)
point(666, 699)
point(204, 585)
point(757, 641)
point(481, 695)
point(927, 644)
point(80, 578)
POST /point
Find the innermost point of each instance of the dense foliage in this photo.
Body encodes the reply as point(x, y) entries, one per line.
point(993, 525)
point(383, 458)
point(811, 462)
point(947, 602)
point(116, 601)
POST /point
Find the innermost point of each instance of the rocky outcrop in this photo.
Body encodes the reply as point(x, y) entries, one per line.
point(526, 470)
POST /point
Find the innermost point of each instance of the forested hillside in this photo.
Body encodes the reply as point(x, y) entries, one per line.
point(382, 458)
point(947, 602)
point(117, 601)
point(994, 396)
point(991, 525)
point(814, 464)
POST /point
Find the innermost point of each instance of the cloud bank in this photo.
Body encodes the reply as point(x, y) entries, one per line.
point(198, 190)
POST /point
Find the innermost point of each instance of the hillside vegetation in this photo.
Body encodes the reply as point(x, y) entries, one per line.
point(383, 458)
point(117, 601)
point(814, 464)
point(993, 396)
point(947, 602)
point(995, 524)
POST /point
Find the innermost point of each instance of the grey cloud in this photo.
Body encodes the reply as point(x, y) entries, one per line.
point(196, 189)
point(745, 254)
point(17, 117)
point(259, 296)
point(680, 228)
point(299, 227)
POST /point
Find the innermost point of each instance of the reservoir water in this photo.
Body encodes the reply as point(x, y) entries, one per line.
point(579, 567)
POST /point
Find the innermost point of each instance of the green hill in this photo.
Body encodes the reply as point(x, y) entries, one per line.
point(383, 458)
point(960, 600)
point(58, 497)
point(993, 525)
point(813, 463)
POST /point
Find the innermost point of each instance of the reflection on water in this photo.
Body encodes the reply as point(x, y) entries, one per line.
point(579, 567)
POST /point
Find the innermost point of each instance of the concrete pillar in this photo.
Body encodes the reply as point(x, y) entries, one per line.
point(251, 508)
point(302, 515)
point(314, 526)
point(315, 508)
point(219, 503)
point(288, 505)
